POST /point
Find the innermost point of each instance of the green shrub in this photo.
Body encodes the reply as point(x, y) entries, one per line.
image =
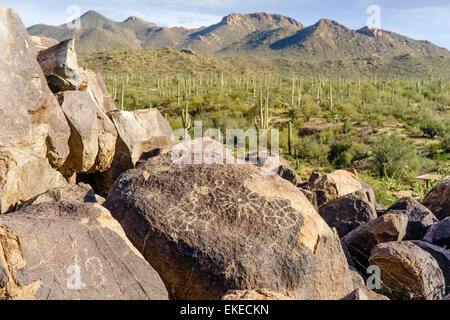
point(395, 157)
point(339, 155)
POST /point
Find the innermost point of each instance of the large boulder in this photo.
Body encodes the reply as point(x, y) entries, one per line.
point(32, 124)
point(419, 217)
point(442, 257)
point(72, 193)
point(334, 185)
point(348, 212)
point(24, 175)
point(95, 86)
point(60, 66)
point(438, 200)
point(43, 43)
point(93, 138)
point(81, 113)
point(439, 234)
point(408, 272)
point(211, 228)
point(387, 228)
point(69, 250)
point(138, 132)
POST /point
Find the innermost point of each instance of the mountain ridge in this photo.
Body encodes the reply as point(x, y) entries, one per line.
point(261, 34)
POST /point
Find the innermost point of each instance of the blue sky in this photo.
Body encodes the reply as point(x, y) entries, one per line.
point(418, 19)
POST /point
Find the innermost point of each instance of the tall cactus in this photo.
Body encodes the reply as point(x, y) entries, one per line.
point(186, 120)
point(290, 137)
point(331, 96)
point(122, 96)
point(263, 122)
point(297, 156)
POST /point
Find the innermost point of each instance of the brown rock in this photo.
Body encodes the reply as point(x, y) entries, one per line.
point(334, 185)
point(60, 67)
point(107, 139)
point(442, 257)
point(73, 193)
point(138, 132)
point(93, 138)
point(365, 294)
point(23, 176)
point(95, 86)
point(438, 200)
point(348, 212)
point(311, 196)
point(81, 113)
point(419, 217)
point(211, 228)
point(387, 228)
point(58, 135)
point(254, 295)
point(69, 251)
point(30, 119)
point(43, 43)
point(408, 272)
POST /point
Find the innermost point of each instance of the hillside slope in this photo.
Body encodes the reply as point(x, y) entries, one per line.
point(169, 61)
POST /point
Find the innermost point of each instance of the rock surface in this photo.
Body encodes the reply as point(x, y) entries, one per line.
point(442, 257)
point(71, 250)
point(419, 217)
point(138, 132)
point(364, 294)
point(72, 193)
point(408, 272)
point(283, 169)
point(81, 113)
point(439, 234)
point(334, 185)
point(43, 43)
point(438, 200)
point(60, 67)
point(387, 228)
point(348, 212)
point(254, 295)
point(32, 125)
point(93, 138)
point(95, 86)
point(211, 228)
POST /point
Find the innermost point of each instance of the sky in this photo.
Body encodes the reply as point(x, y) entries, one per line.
point(418, 19)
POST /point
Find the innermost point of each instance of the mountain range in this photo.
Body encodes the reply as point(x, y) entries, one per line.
point(259, 34)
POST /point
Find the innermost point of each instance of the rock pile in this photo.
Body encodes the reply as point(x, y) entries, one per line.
point(171, 228)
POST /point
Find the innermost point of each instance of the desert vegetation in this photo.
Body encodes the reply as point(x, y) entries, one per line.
point(390, 129)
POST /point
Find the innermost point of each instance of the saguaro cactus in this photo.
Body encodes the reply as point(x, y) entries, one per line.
point(122, 96)
point(263, 122)
point(331, 96)
point(290, 137)
point(186, 120)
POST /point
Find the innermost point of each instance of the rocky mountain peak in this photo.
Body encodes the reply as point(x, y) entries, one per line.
point(276, 19)
point(134, 19)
